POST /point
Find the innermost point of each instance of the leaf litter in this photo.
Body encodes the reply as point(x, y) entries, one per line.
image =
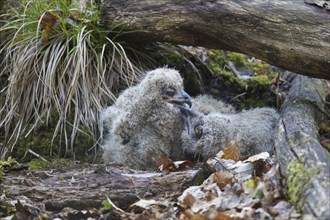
point(235, 189)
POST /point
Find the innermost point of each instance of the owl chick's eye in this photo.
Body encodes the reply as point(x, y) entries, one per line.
point(198, 131)
point(170, 92)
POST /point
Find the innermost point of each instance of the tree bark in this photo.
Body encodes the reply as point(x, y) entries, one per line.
point(303, 161)
point(290, 34)
point(88, 185)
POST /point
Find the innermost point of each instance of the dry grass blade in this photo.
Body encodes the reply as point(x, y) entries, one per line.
point(72, 74)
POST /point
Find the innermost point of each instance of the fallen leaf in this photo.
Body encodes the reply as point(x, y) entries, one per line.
point(141, 205)
point(222, 178)
point(224, 216)
point(203, 198)
point(188, 201)
point(165, 164)
point(241, 170)
point(261, 167)
point(182, 165)
point(231, 151)
point(260, 156)
point(188, 214)
point(260, 162)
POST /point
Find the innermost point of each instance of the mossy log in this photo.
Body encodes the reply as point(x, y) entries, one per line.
point(290, 34)
point(88, 185)
point(304, 163)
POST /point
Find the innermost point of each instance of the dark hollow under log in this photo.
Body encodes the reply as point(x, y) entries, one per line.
point(290, 34)
point(303, 161)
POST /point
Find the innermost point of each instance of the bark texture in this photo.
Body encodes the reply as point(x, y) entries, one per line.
point(303, 161)
point(290, 34)
point(87, 186)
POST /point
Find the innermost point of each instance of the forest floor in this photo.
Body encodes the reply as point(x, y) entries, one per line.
point(247, 189)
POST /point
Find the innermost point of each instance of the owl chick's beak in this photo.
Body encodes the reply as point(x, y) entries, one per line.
point(181, 99)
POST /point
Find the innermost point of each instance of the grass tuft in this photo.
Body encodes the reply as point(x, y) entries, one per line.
point(57, 59)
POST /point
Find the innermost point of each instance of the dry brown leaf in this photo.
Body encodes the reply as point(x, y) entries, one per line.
point(222, 178)
point(182, 165)
point(261, 167)
point(231, 151)
point(140, 206)
point(261, 163)
point(48, 21)
point(188, 201)
point(224, 216)
point(188, 214)
point(165, 164)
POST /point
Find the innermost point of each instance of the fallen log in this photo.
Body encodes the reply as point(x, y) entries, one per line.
point(290, 34)
point(304, 163)
point(88, 185)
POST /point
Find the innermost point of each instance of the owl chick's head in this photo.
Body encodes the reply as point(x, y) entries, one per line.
point(167, 84)
point(204, 135)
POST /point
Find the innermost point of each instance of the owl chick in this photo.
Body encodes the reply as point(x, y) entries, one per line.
point(145, 123)
point(207, 134)
point(206, 104)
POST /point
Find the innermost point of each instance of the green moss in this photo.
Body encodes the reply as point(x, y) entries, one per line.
point(253, 92)
point(43, 142)
point(9, 163)
point(256, 81)
point(39, 141)
point(6, 209)
point(38, 164)
point(53, 163)
point(217, 57)
point(262, 74)
point(174, 59)
point(106, 204)
point(298, 181)
point(237, 59)
point(259, 68)
point(169, 55)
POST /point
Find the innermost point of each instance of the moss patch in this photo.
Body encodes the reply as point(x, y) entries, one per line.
point(9, 163)
point(298, 181)
point(53, 163)
point(237, 59)
point(248, 91)
point(43, 142)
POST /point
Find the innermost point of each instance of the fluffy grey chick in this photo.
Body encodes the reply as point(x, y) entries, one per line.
point(252, 129)
point(206, 104)
point(144, 122)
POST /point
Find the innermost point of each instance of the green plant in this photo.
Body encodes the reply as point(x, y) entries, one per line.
point(8, 163)
point(59, 61)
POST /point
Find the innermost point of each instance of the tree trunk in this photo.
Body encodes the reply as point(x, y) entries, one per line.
point(303, 161)
point(290, 34)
